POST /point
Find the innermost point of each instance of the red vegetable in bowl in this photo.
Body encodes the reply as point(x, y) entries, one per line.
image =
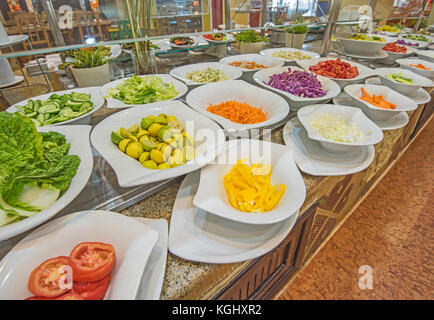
point(335, 69)
point(394, 47)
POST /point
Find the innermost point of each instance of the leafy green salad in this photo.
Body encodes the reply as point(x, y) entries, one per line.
point(35, 168)
point(57, 108)
point(142, 90)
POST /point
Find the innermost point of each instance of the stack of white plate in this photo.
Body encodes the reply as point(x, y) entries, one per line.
point(204, 227)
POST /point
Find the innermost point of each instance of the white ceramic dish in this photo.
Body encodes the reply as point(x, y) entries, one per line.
point(312, 159)
point(270, 52)
point(207, 134)
point(405, 63)
point(95, 97)
point(332, 88)
point(402, 102)
point(211, 195)
point(115, 103)
point(350, 115)
point(214, 93)
point(180, 73)
point(364, 71)
point(396, 122)
point(419, 96)
point(404, 88)
point(133, 243)
point(78, 137)
point(362, 47)
point(198, 236)
point(393, 56)
point(379, 55)
point(229, 38)
point(427, 55)
point(152, 280)
point(197, 41)
point(267, 61)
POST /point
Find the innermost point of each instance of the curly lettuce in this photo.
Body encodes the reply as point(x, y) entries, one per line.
point(35, 168)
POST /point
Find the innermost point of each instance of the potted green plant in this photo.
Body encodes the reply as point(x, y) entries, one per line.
point(250, 41)
point(90, 67)
point(295, 36)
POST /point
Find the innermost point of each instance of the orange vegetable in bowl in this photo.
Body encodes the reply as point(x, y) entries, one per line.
point(419, 66)
point(238, 112)
point(378, 101)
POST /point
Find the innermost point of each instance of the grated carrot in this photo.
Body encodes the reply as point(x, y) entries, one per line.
point(377, 101)
point(238, 112)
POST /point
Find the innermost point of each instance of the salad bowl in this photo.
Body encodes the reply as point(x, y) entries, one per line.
point(133, 243)
point(78, 137)
point(405, 64)
point(270, 52)
point(427, 55)
point(393, 56)
point(364, 71)
point(363, 47)
point(404, 88)
point(349, 115)
point(269, 62)
point(129, 172)
point(272, 104)
point(116, 103)
point(332, 88)
point(180, 73)
point(211, 195)
point(403, 103)
point(95, 97)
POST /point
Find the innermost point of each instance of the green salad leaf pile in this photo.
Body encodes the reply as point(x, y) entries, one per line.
point(142, 90)
point(35, 168)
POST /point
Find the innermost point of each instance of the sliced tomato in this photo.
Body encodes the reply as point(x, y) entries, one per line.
point(92, 261)
point(45, 280)
point(92, 290)
point(71, 295)
point(39, 298)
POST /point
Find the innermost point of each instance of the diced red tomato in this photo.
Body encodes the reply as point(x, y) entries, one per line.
point(45, 280)
point(92, 290)
point(337, 69)
point(394, 47)
point(92, 261)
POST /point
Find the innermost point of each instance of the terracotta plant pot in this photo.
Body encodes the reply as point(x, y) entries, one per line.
point(92, 77)
point(294, 40)
point(250, 47)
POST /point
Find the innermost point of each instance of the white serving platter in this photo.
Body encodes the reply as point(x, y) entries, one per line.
point(95, 97)
point(214, 93)
point(312, 159)
point(115, 103)
point(78, 137)
point(208, 137)
point(180, 73)
point(133, 243)
point(268, 61)
point(270, 52)
point(196, 235)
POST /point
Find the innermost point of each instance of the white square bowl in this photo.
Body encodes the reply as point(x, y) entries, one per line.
point(332, 88)
point(116, 103)
point(180, 73)
point(364, 71)
point(427, 55)
point(270, 52)
point(78, 137)
point(211, 195)
point(208, 137)
point(404, 88)
point(95, 97)
point(402, 102)
point(133, 242)
point(362, 47)
point(267, 61)
point(350, 115)
point(214, 93)
point(405, 64)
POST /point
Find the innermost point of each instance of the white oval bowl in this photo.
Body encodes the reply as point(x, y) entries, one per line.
point(404, 88)
point(267, 61)
point(405, 63)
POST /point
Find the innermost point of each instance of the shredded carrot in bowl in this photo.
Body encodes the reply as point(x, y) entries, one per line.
point(238, 112)
point(378, 101)
point(419, 66)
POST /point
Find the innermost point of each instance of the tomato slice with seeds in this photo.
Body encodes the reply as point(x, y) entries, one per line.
point(92, 261)
point(92, 290)
point(45, 280)
point(71, 295)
